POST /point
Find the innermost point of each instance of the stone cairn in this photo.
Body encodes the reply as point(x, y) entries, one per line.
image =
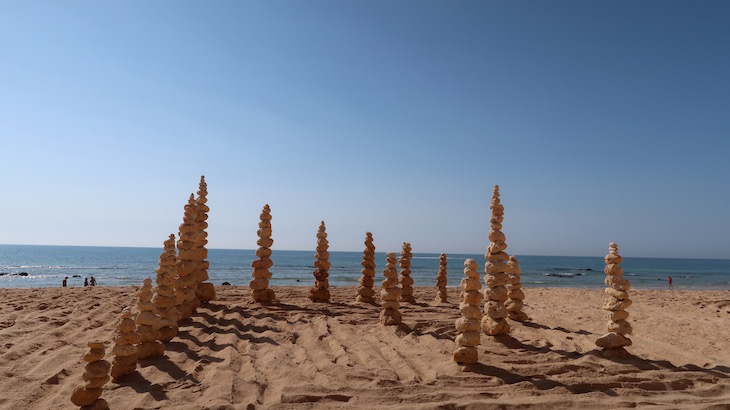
point(124, 351)
point(405, 274)
point(147, 324)
point(205, 291)
point(514, 291)
point(365, 292)
point(391, 293)
point(260, 283)
point(469, 324)
point(96, 375)
point(441, 296)
point(494, 322)
point(320, 292)
point(187, 262)
point(617, 300)
point(164, 298)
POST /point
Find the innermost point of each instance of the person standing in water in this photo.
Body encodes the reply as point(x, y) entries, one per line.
point(86, 281)
point(64, 281)
point(670, 283)
point(92, 282)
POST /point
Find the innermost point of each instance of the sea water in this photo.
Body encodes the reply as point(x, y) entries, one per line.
point(29, 266)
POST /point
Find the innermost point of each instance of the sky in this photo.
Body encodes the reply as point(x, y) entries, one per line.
point(601, 121)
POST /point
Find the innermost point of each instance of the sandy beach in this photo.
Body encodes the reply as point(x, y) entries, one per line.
point(237, 354)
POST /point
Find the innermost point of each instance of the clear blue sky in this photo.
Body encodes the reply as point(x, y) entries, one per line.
point(601, 121)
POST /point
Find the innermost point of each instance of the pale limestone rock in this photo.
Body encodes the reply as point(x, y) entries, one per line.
point(124, 350)
point(148, 323)
point(390, 315)
point(469, 325)
point(188, 262)
point(260, 284)
point(441, 280)
point(164, 298)
point(96, 375)
point(496, 268)
point(320, 292)
point(617, 300)
point(515, 294)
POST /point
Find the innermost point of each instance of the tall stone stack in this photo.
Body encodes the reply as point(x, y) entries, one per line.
point(164, 299)
point(365, 292)
point(148, 323)
point(617, 300)
point(390, 293)
point(320, 292)
point(124, 350)
point(469, 325)
point(96, 375)
point(441, 296)
point(261, 275)
point(514, 291)
point(405, 274)
point(205, 291)
point(494, 322)
point(187, 262)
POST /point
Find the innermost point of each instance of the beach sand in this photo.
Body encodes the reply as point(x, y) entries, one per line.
point(237, 354)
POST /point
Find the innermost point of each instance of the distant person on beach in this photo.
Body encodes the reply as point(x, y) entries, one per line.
point(64, 281)
point(92, 282)
point(670, 283)
point(86, 281)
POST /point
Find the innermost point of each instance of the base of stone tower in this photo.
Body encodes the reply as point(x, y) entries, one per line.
point(365, 299)
point(263, 295)
point(319, 295)
point(616, 353)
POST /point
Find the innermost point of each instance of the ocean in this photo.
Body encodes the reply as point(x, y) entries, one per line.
point(31, 266)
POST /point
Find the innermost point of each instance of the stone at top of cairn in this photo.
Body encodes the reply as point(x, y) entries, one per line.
point(617, 300)
point(188, 261)
point(96, 375)
point(164, 298)
point(469, 324)
point(205, 291)
point(365, 292)
point(390, 293)
point(405, 274)
point(494, 322)
point(441, 295)
point(260, 283)
point(320, 292)
point(514, 291)
point(147, 324)
point(124, 351)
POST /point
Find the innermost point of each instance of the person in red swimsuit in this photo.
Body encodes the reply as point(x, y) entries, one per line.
point(670, 283)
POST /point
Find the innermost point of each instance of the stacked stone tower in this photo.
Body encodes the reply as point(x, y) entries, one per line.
point(405, 274)
point(261, 275)
point(494, 322)
point(205, 291)
point(124, 351)
point(617, 300)
point(164, 299)
point(187, 262)
point(469, 324)
point(96, 375)
point(320, 292)
point(147, 324)
point(365, 290)
point(391, 293)
point(441, 296)
point(514, 291)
